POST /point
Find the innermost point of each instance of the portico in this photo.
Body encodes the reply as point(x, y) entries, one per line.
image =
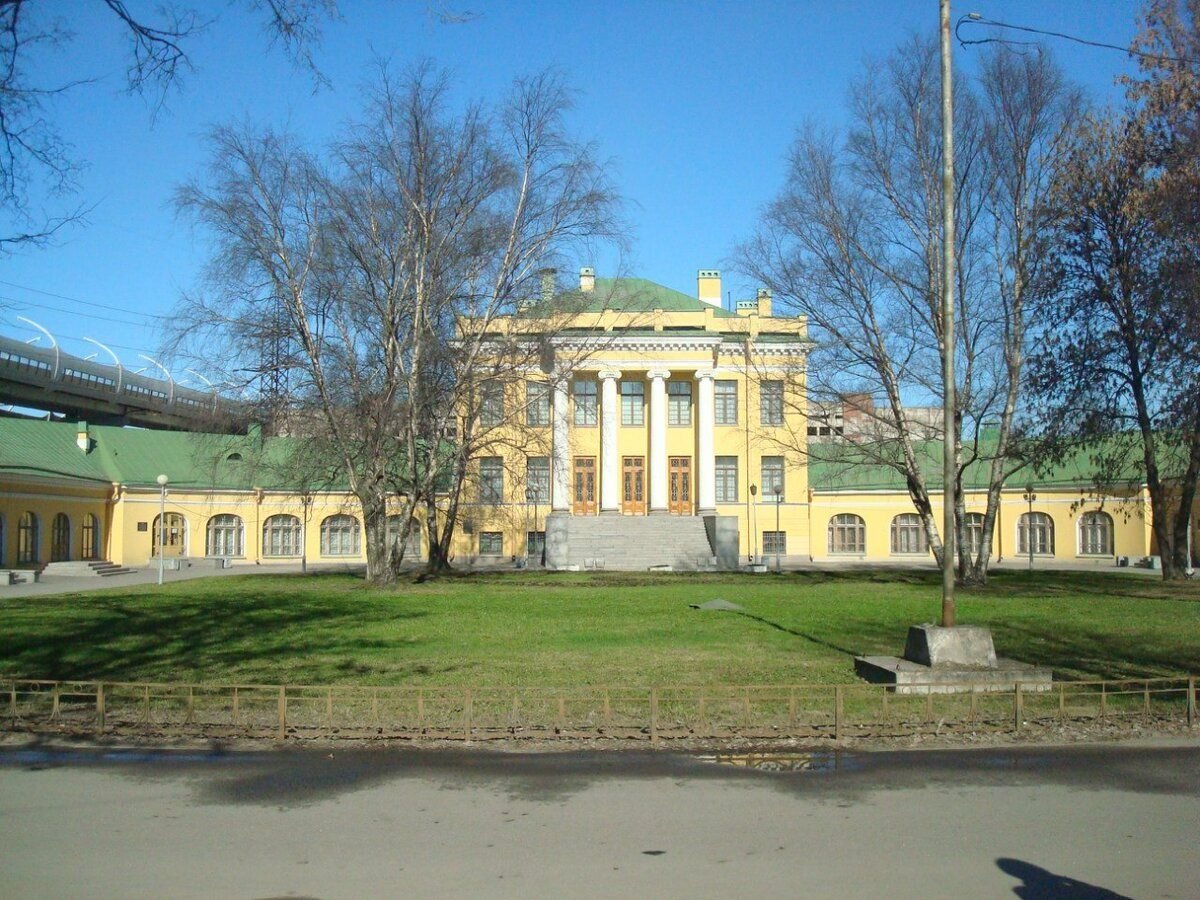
point(677, 451)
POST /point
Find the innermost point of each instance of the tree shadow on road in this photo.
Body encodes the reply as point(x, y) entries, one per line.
point(1041, 884)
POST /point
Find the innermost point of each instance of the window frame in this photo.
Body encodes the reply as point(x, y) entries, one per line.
point(1086, 528)
point(586, 402)
point(538, 496)
point(770, 402)
point(29, 538)
point(767, 487)
point(725, 395)
point(842, 524)
point(217, 525)
point(348, 526)
point(901, 533)
point(491, 480)
point(537, 404)
point(781, 536)
point(295, 540)
point(1024, 523)
point(491, 404)
point(726, 471)
point(633, 404)
point(679, 413)
point(489, 536)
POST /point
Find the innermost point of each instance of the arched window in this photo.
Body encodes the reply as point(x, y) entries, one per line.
point(226, 536)
point(89, 533)
point(974, 525)
point(1036, 530)
point(412, 547)
point(281, 536)
point(847, 534)
point(27, 539)
point(1096, 534)
point(60, 538)
point(340, 536)
point(908, 534)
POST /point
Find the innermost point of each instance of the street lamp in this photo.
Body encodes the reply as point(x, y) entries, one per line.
point(778, 501)
point(162, 521)
point(754, 522)
point(1029, 496)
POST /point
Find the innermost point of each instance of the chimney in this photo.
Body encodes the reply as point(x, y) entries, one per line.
point(547, 276)
point(83, 437)
point(587, 279)
point(708, 287)
point(764, 302)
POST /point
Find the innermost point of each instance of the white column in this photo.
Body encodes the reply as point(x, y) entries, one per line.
point(560, 493)
point(706, 465)
point(610, 469)
point(658, 440)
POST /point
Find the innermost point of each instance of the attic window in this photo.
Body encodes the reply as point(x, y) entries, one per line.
point(234, 457)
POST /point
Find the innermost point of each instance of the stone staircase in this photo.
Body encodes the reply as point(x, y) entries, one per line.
point(85, 568)
point(632, 543)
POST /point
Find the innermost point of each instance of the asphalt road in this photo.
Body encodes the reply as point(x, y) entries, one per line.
point(1076, 822)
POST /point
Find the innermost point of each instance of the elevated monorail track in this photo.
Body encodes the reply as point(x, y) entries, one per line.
point(51, 380)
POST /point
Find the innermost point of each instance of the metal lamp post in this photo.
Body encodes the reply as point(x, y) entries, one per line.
point(778, 501)
point(753, 523)
point(1029, 496)
point(162, 521)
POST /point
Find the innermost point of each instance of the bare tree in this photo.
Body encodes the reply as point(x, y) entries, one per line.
point(35, 162)
point(397, 258)
point(854, 242)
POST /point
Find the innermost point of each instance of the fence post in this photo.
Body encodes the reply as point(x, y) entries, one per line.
point(702, 716)
point(100, 706)
point(1191, 701)
point(654, 715)
point(235, 705)
point(329, 708)
point(1017, 706)
point(1103, 699)
point(792, 710)
point(1062, 702)
point(12, 699)
point(55, 708)
point(282, 712)
point(562, 715)
point(1146, 695)
point(191, 706)
point(467, 715)
point(837, 712)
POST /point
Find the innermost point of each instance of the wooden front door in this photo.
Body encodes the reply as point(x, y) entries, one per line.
point(176, 529)
point(679, 501)
point(585, 486)
point(633, 485)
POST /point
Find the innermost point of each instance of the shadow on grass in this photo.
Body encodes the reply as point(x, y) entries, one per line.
point(200, 633)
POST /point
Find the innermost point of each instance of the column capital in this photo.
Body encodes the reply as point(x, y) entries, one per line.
point(610, 374)
point(658, 374)
point(706, 373)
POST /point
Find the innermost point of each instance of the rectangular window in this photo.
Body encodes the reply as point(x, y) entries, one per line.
point(774, 542)
point(537, 479)
point(535, 546)
point(633, 403)
point(585, 402)
point(772, 477)
point(679, 403)
point(491, 404)
point(537, 403)
point(727, 488)
point(491, 480)
point(726, 398)
point(491, 543)
point(771, 402)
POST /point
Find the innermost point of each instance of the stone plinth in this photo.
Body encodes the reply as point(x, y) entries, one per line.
point(962, 645)
point(950, 660)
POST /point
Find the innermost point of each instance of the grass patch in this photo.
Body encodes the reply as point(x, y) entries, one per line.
point(544, 629)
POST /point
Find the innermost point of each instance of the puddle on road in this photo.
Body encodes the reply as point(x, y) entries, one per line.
point(788, 761)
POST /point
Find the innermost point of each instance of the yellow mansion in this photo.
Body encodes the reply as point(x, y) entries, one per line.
point(666, 431)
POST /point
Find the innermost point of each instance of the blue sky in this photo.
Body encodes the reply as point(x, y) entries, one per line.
point(695, 103)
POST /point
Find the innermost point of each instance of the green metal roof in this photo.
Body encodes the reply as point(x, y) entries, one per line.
point(630, 295)
point(138, 456)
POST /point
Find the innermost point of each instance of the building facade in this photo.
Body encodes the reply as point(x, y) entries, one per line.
point(659, 430)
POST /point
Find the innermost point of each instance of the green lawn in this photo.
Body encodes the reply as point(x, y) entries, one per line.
point(537, 629)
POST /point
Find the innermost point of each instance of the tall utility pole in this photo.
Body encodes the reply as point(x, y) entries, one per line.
point(948, 440)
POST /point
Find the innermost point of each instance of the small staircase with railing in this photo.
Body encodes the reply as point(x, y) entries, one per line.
point(85, 568)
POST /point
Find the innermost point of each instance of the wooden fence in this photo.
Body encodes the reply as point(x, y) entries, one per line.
point(653, 714)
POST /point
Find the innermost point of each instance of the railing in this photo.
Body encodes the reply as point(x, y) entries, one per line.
point(654, 714)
